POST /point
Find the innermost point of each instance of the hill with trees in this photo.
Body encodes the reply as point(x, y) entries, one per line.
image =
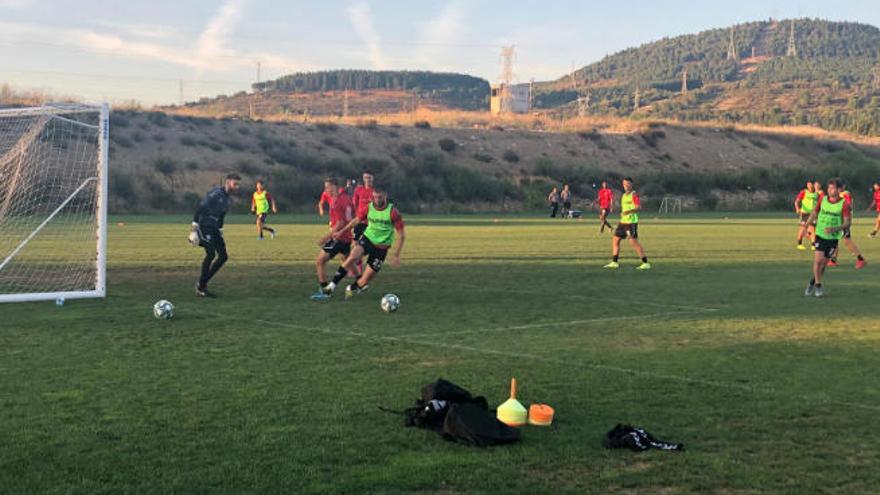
point(832, 82)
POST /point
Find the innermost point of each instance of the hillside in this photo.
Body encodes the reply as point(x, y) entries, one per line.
point(352, 92)
point(165, 162)
point(833, 82)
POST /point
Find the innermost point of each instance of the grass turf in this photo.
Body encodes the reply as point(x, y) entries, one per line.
point(263, 390)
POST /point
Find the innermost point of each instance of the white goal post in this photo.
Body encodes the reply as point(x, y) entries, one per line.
point(53, 202)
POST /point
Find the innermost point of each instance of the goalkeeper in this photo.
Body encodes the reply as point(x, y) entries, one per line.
point(207, 230)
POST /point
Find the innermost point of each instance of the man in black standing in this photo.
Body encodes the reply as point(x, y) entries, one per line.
point(207, 230)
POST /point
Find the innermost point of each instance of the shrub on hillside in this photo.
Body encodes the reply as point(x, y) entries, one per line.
point(159, 119)
point(448, 145)
point(121, 140)
point(422, 124)
point(326, 126)
point(370, 125)
point(188, 141)
point(483, 157)
point(510, 156)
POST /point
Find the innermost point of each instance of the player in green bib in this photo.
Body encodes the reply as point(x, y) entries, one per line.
point(628, 228)
point(384, 224)
point(833, 217)
point(261, 202)
point(804, 205)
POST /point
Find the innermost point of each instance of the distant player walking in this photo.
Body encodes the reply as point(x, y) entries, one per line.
point(833, 217)
point(337, 241)
point(553, 198)
point(804, 205)
point(605, 198)
point(565, 196)
point(628, 228)
point(261, 202)
point(382, 220)
point(207, 230)
point(875, 204)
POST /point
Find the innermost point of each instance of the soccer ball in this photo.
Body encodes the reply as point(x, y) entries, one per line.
point(163, 310)
point(389, 303)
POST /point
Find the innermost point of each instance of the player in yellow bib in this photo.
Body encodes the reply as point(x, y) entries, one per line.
point(628, 228)
point(261, 203)
point(804, 205)
point(833, 217)
point(383, 222)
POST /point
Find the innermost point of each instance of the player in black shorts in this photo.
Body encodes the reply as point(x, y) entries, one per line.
point(207, 231)
point(335, 242)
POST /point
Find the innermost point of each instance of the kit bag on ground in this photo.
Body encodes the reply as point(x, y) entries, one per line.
point(458, 415)
point(635, 438)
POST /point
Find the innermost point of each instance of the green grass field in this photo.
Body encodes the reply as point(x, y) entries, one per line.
point(264, 391)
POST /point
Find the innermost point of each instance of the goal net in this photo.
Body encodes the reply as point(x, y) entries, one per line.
point(53, 202)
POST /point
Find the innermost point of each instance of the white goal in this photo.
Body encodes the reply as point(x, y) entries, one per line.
point(53, 202)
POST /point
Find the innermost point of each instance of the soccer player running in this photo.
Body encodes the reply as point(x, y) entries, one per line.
point(833, 217)
point(605, 199)
point(628, 228)
point(261, 202)
point(363, 196)
point(207, 226)
point(337, 241)
point(382, 220)
point(875, 204)
point(804, 205)
point(847, 235)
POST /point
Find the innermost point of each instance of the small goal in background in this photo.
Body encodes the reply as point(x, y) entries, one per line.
point(670, 205)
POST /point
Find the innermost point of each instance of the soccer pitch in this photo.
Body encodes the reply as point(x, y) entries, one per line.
point(263, 390)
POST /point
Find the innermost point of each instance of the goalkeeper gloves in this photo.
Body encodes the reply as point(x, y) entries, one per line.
point(195, 235)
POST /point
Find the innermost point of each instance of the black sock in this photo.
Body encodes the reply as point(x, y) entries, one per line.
point(270, 229)
point(860, 258)
point(812, 281)
point(819, 285)
point(323, 284)
point(615, 258)
point(644, 259)
point(340, 274)
point(355, 286)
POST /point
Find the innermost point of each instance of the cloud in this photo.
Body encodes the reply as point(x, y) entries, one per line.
point(15, 4)
point(361, 18)
point(437, 37)
point(212, 41)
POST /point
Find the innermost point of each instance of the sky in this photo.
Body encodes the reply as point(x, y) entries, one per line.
point(155, 52)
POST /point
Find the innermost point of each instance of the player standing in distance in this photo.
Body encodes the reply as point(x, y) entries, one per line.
point(565, 196)
point(628, 227)
point(847, 235)
point(337, 241)
point(875, 204)
point(833, 217)
point(804, 205)
point(605, 199)
point(553, 198)
point(207, 224)
point(382, 220)
point(261, 202)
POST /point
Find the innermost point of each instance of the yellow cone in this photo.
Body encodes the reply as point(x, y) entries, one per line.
point(512, 413)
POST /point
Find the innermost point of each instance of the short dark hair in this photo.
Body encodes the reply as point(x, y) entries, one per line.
point(380, 189)
point(260, 181)
point(837, 181)
point(367, 172)
point(331, 180)
point(233, 176)
point(628, 179)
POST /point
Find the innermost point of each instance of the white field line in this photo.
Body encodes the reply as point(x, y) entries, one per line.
point(585, 297)
point(817, 397)
point(551, 324)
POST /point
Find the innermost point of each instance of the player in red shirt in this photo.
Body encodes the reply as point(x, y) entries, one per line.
point(875, 204)
point(605, 198)
point(384, 225)
point(337, 241)
point(325, 198)
point(363, 195)
point(847, 235)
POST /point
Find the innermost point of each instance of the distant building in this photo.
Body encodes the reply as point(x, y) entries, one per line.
point(519, 99)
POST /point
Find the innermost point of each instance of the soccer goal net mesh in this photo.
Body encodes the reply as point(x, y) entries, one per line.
point(52, 208)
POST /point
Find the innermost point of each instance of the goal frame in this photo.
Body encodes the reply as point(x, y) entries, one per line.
point(102, 168)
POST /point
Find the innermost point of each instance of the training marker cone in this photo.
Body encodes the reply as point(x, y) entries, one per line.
point(512, 413)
